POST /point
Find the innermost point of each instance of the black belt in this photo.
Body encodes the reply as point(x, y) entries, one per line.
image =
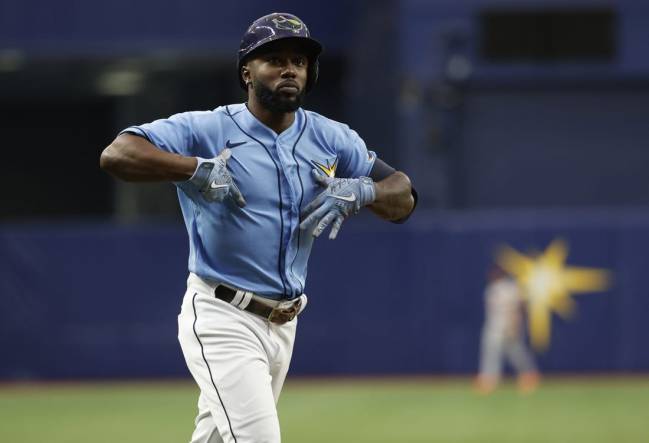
point(274, 315)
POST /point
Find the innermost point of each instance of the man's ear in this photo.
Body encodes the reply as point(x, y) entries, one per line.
point(245, 75)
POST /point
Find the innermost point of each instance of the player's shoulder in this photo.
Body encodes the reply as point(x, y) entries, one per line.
point(333, 132)
point(507, 285)
point(206, 115)
point(203, 119)
point(232, 109)
point(320, 122)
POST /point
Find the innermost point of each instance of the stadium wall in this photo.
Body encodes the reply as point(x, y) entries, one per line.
point(94, 300)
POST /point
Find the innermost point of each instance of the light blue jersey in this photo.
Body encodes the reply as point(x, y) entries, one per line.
point(257, 248)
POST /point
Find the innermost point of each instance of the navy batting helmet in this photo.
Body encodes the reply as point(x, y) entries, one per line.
point(278, 26)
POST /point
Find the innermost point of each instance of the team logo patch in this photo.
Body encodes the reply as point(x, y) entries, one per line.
point(289, 24)
point(329, 169)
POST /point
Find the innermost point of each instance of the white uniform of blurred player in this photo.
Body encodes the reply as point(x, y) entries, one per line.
point(503, 337)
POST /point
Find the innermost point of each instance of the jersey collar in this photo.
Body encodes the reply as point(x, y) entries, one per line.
point(255, 127)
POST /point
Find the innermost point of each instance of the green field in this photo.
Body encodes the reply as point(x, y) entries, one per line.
point(357, 411)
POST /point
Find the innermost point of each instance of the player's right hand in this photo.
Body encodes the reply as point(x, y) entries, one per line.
point(214, 182)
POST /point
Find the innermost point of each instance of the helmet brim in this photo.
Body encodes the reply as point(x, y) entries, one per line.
point(312, 47)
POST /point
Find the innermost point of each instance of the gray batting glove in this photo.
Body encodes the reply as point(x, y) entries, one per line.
point(342, 198)
point(214, 182)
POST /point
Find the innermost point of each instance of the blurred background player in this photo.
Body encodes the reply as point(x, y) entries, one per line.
point(503, 337)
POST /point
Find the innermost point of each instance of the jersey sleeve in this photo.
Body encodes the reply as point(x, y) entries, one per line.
point(354, 159)
point(174, 134)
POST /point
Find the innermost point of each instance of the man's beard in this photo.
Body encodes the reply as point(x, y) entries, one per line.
point(276, 101)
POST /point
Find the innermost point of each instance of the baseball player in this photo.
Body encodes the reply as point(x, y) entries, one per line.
point(257, 183)
point(503, 337)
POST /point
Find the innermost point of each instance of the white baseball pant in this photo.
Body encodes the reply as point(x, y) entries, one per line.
point(497, 346)
point(239, 361)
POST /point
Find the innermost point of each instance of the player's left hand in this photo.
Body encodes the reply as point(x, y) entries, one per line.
point(341, 198)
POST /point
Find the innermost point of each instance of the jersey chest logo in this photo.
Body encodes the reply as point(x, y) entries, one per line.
point(230, 145)
point(329, 169)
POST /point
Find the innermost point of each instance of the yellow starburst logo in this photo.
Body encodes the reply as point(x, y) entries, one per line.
point(329, 169)
point(547, 283)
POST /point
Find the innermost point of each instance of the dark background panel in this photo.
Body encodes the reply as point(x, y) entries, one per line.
point(50, 157)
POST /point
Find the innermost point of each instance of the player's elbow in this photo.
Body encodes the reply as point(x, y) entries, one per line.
point(109, 160)
point(114, 161)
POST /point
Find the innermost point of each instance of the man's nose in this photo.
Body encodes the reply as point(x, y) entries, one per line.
point(289, 70)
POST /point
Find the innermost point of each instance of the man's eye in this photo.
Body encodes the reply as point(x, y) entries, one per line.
point(300, 61)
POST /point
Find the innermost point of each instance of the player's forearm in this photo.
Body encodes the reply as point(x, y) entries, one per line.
point(132, 158)
point(394, 199)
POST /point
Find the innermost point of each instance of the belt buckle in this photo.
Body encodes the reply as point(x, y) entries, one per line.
point(281, 315)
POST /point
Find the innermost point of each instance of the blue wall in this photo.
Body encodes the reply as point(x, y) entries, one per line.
point(552, 147)
point(539, 133)
point(94, 300)
point(120, 27)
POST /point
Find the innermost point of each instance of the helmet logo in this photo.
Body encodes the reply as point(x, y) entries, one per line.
point(289, 24)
